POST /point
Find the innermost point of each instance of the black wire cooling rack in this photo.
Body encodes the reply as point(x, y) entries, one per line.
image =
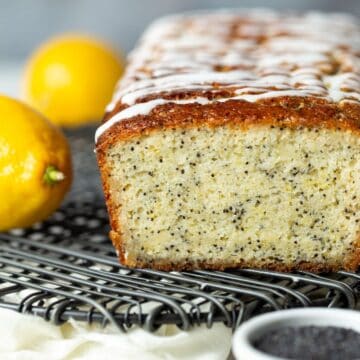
point(66, 268)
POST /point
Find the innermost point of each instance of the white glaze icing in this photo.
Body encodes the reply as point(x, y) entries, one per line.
point(142, 109)
point(260, 54)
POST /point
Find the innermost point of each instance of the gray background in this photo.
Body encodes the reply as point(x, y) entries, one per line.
point(26, 23)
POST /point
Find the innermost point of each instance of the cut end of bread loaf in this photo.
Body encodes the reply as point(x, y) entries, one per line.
point(266, 197)
point(233, 140)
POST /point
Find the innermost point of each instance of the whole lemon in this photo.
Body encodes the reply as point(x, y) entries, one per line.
point(35, 165)
point(71, 79)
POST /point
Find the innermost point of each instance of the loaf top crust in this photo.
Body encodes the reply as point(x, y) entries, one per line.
point(302, 69)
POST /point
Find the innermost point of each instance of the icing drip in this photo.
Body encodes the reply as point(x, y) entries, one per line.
point(142, 109)
point(257, 55)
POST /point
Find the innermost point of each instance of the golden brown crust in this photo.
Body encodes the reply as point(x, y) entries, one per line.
point(265, 60)
point(290, 112)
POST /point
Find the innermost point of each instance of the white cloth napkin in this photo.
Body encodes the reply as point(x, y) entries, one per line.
point(25, 337)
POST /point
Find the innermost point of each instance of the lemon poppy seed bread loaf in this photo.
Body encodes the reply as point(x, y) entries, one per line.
point(234, 141)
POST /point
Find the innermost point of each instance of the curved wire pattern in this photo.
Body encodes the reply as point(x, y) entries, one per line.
point(66, 268)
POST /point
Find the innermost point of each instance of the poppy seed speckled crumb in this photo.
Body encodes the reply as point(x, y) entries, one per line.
point(281, 210)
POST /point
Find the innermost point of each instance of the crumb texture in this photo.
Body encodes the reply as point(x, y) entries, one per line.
point(226, 197)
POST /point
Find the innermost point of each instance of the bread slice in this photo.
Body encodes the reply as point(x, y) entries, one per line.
point(234, 141)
